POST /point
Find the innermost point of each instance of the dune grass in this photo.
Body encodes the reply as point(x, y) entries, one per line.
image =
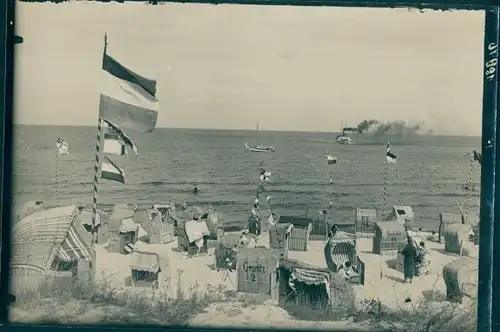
point(107, 303)
point(110, 304)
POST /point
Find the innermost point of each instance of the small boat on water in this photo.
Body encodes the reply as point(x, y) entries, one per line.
point(258, 147)
point(343, 138)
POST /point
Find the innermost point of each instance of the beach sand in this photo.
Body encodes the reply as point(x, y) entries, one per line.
point(194, 272)
point(385, 283)
point(381, 280)
point(198, 275)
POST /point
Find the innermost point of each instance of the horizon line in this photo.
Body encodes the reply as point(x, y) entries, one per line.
point(235, 129)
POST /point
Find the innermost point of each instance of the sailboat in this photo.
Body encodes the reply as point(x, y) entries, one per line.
point(343, 138)
point(258, 147)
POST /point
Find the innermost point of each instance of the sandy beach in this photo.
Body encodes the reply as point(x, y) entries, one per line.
point(382, 281)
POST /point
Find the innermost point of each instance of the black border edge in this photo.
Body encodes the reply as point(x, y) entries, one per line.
point(6, 147)
point(488, 178)
point(487, 316)
point(418, 4)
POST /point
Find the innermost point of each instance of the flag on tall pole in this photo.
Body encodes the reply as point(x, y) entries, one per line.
point(62, 146)
point(255, 217)
point(390, 158)
point(116, 141)
point(330, 160)
point(327, 204)
point(128, 100)
point(478, 157)
point(111, 171)
point(113, 144)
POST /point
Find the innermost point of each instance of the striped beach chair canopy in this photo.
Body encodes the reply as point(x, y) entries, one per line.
point(145, 261)
point(41, 237)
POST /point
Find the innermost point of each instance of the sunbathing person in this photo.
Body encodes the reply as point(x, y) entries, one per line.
point(347, 271)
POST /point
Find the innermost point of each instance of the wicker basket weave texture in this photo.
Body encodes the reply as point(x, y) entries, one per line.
point(36, 239)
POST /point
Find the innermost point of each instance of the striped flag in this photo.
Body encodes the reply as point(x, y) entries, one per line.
point(330, 160)
point(128, 100)
point(111, 171)
point(116, 141)
point(62, 146)
point(264, 175)
point(113, 144)
point(390, 157)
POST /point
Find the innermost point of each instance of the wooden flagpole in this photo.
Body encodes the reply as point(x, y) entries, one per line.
point(57, 175)
point(469, 186)
point(96, 182)
point(325, 206)
point(384, 204)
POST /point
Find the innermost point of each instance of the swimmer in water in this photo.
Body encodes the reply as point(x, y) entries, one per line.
point(195, 189)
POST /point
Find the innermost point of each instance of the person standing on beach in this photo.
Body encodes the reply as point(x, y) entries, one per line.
point(409, 254)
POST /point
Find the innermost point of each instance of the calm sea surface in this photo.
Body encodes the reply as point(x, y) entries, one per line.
point(429, 174)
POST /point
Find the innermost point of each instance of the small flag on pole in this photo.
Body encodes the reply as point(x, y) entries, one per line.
point(391, 157)
point(116, 141)
point(330, 160)
point(264, 176)
point(478, 157)
point(62, 146)
point(113, 144)
point(111, 171)
point(128, 100)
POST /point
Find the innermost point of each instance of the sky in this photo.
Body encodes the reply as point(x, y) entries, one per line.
point(230, 66)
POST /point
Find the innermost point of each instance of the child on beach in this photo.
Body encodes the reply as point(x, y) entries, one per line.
point(421, 261)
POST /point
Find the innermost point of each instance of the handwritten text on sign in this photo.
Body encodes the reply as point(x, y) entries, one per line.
point(491, 65)
point(254, 270)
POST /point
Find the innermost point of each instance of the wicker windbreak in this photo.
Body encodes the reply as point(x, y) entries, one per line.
point(37, 238)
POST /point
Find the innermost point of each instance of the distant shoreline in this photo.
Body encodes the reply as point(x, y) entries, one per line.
point(252, 130)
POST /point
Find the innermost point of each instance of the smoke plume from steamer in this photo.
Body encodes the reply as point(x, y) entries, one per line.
point(376, 127)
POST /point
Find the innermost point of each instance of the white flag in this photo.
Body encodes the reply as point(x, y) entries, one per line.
point(62, 146)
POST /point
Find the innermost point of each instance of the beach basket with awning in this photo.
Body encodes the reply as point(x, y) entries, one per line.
point(145, 268)
point(43, 241)
point(122, 231)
